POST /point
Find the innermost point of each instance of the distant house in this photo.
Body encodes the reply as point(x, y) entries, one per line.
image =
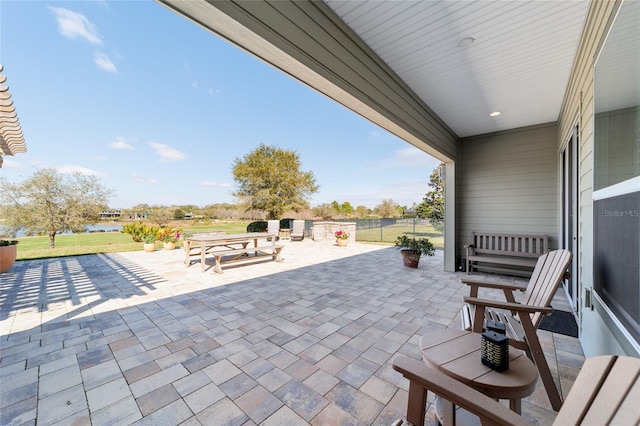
point(110, 214)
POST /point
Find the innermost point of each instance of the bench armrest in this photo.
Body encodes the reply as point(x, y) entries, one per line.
point(423, 378)
point(507, 288)
point(510, 306)
point(494, 284)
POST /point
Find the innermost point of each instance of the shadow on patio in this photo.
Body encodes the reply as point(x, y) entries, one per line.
point(138, 338)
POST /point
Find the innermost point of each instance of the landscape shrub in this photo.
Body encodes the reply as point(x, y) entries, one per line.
point(139, 231)
point(258, 226)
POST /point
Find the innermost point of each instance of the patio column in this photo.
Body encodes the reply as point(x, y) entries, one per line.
point(450, 216)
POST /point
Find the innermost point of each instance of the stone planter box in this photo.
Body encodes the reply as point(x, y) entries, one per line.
point(324, 231)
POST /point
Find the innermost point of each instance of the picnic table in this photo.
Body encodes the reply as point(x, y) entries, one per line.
point(235, 246)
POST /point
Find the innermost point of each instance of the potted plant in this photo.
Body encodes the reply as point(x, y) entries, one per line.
point(8, 253)
point(142, 233)
point(342, 237)
point(150, 242)
point(169, 237)
point(412, 248)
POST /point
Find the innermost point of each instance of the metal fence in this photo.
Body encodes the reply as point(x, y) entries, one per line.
point(386, 230)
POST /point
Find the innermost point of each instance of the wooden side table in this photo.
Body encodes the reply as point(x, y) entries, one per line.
point(456, 353)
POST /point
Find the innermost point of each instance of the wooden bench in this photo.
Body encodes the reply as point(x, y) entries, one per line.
point(516, 253)
point(244, 254)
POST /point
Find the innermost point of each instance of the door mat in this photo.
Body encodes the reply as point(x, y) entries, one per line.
point(560, 322)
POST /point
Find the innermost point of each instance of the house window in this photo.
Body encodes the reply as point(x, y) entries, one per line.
point(616, 196)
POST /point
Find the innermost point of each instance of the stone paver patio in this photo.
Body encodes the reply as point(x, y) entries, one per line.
point(137, 338)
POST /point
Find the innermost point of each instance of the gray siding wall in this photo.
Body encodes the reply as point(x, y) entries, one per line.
point(598, 332)
point(507, 182)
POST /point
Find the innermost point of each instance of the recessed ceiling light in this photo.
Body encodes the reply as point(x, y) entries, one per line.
point(466, 42)
point(495, 114)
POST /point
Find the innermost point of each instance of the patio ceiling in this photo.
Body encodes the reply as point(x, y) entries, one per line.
point(518, 62)
point(11, 138)
point(462, 59)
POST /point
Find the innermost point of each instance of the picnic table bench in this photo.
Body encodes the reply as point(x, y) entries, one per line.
point(231, 248)
point(514, 254)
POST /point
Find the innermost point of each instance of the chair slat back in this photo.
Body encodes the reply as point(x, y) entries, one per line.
point(273, 226)
point(298, 226)
point(606, 391)
point(546, 277)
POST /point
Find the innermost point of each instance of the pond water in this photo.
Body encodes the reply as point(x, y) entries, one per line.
point(90, 228)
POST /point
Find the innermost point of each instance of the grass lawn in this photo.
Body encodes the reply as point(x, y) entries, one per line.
point(110, 242)
point(104, 242)
point(388, 234)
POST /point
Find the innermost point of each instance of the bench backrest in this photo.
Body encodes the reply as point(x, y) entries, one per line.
point(510, 244)
point(547, 275)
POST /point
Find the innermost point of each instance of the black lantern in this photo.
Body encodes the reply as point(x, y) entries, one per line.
point(495, 350)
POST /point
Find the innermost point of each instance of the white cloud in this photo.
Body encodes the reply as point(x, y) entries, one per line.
point(122, 143)
point(11, 164)
point(78, 169)
point(139, 179)
point(75, 25)
point(376, 134)
point(167, 153)
point(408, 158)
point(210, 183)
point(103, 62)
point(214, 91)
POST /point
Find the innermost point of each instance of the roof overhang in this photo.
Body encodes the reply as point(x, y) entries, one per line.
point(430, 72)
point(11, 138)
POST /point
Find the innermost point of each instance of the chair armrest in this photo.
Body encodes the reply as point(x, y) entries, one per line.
point(510, 306)
point(493, 284)
point(427, 378)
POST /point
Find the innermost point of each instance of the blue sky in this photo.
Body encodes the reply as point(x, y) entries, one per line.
point(159, 109)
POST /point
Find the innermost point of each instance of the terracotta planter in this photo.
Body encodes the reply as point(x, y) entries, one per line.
point(169, 245)
point(410, 258)
point(149, 247)
point(341, 242)
point(7, 257)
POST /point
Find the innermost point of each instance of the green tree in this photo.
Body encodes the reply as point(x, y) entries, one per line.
point(346, 208)
point(269, 179)
point(388, 208)
point(161, 215)
point(51, 202)
point(362, 211)
point(432, 206)
point(325, 211)
point(178, 214)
